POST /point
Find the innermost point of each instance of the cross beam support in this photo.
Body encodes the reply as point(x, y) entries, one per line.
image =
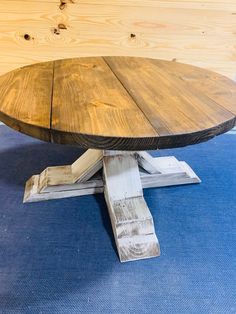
point(125, 174)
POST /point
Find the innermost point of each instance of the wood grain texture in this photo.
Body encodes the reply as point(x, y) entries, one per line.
point(25, 99)
point(118, 103)
point(185, 30)
point(88, 99)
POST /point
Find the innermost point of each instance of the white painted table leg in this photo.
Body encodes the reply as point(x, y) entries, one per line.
point(131, 219)
point(125, 175)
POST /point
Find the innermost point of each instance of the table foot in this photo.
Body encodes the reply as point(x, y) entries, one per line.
point(125, 174)
point(131, 219)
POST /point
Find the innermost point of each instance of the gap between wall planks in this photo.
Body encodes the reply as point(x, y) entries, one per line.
point(192, 32)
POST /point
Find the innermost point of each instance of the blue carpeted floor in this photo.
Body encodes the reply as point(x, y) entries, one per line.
point(59, 257)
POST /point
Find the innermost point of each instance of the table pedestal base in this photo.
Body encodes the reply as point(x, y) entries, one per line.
point(125, 174)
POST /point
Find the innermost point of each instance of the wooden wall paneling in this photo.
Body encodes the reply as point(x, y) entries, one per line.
point(193, 4)
point(188, 31)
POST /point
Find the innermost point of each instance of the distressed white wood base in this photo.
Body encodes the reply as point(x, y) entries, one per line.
point(131, 219)
point(125, 174)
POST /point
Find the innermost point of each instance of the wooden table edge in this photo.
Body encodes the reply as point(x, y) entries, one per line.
point(117, 143)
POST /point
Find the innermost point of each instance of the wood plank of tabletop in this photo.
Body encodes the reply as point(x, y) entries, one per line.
point(160, 93)
point(215, 86)
point(26, 99)
point(89, 100)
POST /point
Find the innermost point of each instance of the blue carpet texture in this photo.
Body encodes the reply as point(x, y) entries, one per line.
point(59, 256)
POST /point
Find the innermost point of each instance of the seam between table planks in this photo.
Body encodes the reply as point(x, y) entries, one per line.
point(154, 128)
point(154, 132)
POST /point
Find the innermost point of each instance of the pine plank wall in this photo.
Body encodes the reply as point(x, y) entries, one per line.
point(202, 33)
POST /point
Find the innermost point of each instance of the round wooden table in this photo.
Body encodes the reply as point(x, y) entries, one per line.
point(117, 107)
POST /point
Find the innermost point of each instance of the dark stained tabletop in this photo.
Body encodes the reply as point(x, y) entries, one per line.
point(122, 103)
